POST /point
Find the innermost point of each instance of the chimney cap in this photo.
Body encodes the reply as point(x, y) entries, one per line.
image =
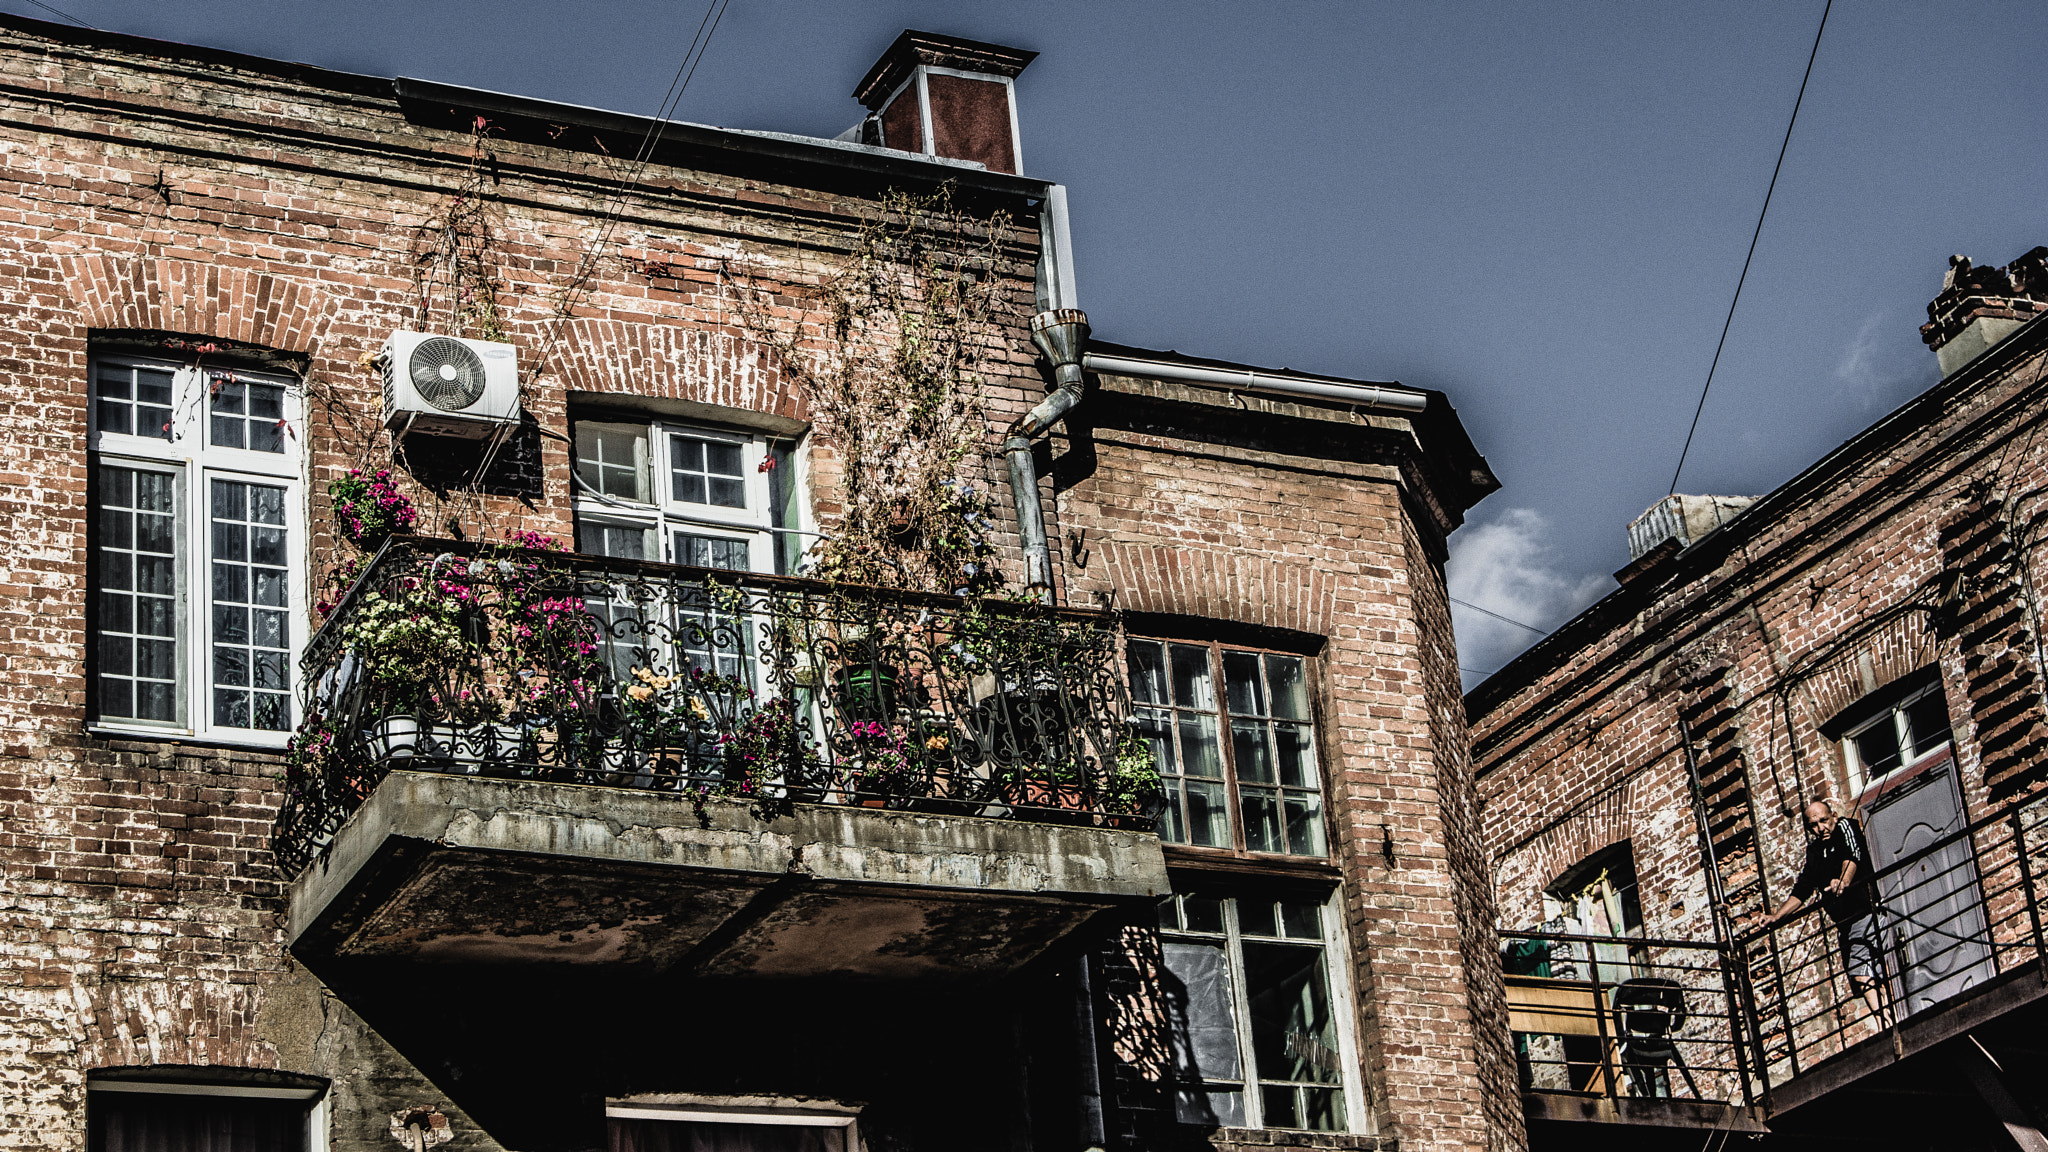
point(914, 48)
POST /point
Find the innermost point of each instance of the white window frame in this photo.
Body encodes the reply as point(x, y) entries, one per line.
point(1337, 965)
point(665, 515)
point(191, 457)
point(845, 1123)
point(317, 1099)
point(1910, 756)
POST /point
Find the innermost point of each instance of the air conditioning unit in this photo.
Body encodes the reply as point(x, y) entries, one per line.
point(444, 386)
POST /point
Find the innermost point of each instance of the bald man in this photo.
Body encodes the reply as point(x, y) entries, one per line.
point(1838, 867)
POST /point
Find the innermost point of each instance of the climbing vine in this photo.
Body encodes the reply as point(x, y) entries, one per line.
point(452, 253)
point(892, 376)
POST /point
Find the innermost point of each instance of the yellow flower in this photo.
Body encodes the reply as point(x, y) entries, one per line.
point(662, 681)
point(936, 744)
point(643, 674)
point(640, 692)
point(698, 709)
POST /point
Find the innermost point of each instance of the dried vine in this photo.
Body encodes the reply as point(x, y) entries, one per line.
point(894, 387)
point(452, 253)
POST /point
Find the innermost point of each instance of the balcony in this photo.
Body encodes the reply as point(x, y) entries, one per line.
point(1767, 1033)
point(515, 757)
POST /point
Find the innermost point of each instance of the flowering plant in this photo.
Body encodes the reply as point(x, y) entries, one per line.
point(368, 507)
point(772, 745)
point(882, 765)
point(675, 711)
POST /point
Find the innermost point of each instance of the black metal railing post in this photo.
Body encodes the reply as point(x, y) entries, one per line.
point(2019, 847)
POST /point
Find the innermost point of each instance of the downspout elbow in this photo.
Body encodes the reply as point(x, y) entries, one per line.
point(1061, 335)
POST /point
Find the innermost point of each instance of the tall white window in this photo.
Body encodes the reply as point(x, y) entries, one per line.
point(197, 563)
point(1260, 1037)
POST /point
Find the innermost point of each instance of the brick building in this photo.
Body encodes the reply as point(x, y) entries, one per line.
point(1866, 635)
point(430, 727)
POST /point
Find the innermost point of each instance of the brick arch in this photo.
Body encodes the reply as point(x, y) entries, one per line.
point(707, 365)
point(1606, 821)
point(1222, 586)
point(1903, 646)
point(158, 1022)
point(228, 303)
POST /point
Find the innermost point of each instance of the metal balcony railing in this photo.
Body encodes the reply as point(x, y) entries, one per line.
point(1626, 1018)
point(1956, 914)
point(1636, 1018)
point(529, 664)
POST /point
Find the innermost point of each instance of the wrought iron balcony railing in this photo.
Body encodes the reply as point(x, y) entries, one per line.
point(1957, 917)
point(512, 662)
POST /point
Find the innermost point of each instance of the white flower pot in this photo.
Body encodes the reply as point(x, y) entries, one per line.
point(395, 737)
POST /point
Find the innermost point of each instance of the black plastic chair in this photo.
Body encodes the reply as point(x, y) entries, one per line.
point(1647, 1010)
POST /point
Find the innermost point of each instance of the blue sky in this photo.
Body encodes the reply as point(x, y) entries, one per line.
point(1539, 208)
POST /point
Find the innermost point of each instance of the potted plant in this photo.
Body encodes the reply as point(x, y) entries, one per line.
point(676, 725)
point(1132, 797)
point(771, 750)
point(879, 769)
point(864, 687)
point(1051, 792)
point(409, 641)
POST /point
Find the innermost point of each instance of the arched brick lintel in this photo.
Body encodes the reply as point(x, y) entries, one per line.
point(1222, 586)
point(648, 359)
point(226, 303)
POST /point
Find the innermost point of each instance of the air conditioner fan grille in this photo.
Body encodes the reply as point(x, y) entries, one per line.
point(447, 373)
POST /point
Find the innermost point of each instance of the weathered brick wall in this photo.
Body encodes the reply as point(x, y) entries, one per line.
point(213, 200)
point(1838, 586)
point(1292, 516)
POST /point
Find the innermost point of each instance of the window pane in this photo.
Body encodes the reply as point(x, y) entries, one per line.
point(626, 542)
point(1297, 755)
point(1877, 747)
point(1192, 687)
point(612, 458)
point(133, 401)
point(1255, 918)
point(1294, 1036)
point(1204, 913)
point(1169, 913)
point(1208, 819)
point(154, 1122)
point(1199, 755)
point(136, 619)
point(1304, 814)
point(1280, 1105)
point(1254, 756)
point(1241, 680)
point(1210, 1107)
point(706, 471)
point(1927, 722)
point(713, 552)
point(251, 636)
point(1173, 822)
point(246, 414)
point(1148, 672)
point(1301, 919)
point(1290, 686)
point(1205, 1040)
point(1262, 832)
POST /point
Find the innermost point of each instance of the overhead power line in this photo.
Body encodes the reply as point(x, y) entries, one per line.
point(1498, 616)
point(62, 13)
point(1739, 280)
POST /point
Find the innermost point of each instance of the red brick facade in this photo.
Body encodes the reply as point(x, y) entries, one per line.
point(211, 198)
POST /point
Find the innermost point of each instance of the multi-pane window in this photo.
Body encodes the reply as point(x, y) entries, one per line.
point(1256, 1038)
point(1898, 737)
point(137, 564)
point(708, 498)
point(197, 566)
point(1235, 741)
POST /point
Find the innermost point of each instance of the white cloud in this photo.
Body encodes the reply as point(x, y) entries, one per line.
point(1880, 368)
point(1507, 566)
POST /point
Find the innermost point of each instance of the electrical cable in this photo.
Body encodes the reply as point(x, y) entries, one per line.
point(1739, 280)
point(1498, 616)
point(64, 14)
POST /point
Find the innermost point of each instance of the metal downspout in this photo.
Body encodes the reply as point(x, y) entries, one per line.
point(1060, 334)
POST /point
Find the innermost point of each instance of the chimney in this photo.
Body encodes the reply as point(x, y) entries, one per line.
point(1978, 307)
point(1681, 518)
point(943, 96)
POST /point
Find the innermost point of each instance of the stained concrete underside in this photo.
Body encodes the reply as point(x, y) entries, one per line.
point(467, 871)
